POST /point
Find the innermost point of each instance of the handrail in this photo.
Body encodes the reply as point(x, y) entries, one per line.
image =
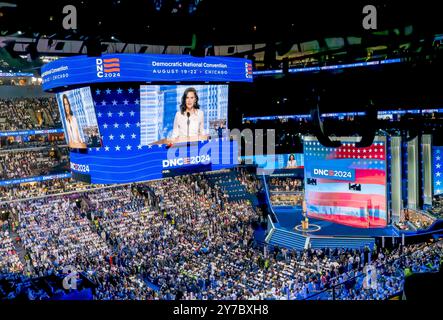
point(340, 237)
point(286, 192)
point(423, 233)
point(268, 199)
point(271, 232)
point(272, 223)
point(327, 237)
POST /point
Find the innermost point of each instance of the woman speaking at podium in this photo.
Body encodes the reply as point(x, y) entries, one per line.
point(292, 163)
point(189, 121)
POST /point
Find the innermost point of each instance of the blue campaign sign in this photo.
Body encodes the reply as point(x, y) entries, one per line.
point(143, 67)
point(35, 179)
point(16, 74)
point(29, 132)
point(126, 164)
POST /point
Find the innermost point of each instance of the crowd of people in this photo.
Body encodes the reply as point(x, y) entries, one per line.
point(413, 219)
point(43, 188)
point(9, 260)
point(418, 219)
point(437, 207)
point(390, 270)
point(248, 180)
point(286, 191)
point(281, 199)
point(29, 113)
point(286, 185)
point(54, 234)
point(30, 163)
point(136, 236)
point(182, 239)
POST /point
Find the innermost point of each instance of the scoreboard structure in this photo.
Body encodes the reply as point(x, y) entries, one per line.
point(118, 113)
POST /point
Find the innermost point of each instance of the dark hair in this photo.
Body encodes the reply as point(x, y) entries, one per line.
point(291, 155)
point(63, 101)
point(183, 104)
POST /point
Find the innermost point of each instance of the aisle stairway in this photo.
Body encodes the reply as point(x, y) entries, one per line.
point(342, 242)
point(228, 182)
point(287, 239)
point(293, 240)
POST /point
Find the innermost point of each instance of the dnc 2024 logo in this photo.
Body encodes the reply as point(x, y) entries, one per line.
point(108, 68)
point(248, 70)
point(79, 167)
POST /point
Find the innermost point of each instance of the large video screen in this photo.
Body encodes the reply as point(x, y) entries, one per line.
point(346, 185)
point(136, 125)
point(79, 118)
point(175, 113)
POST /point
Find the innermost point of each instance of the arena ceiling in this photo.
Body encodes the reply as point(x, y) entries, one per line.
point(214, 21)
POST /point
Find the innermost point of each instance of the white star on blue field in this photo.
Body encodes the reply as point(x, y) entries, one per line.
point(118, 117)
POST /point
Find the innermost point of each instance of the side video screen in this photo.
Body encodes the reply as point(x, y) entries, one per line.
point(79, 118)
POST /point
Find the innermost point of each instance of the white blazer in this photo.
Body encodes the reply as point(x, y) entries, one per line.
point(73, 131)
point(196, 124)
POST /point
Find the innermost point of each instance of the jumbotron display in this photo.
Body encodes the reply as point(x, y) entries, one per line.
point(346, 185)
point(120, 68)
point(125, 123)
point(124, 133)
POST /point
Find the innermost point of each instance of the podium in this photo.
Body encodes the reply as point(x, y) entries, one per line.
point(181, 140)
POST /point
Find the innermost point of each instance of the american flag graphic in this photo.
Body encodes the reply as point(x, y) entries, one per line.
point(437, 153)
point(358, 203)
point(118, 117)
point(248, 67)
point(111, 65)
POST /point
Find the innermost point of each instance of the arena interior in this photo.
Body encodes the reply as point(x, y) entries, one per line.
point(220, 150)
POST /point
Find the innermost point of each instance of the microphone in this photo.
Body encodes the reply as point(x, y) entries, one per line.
point(188, 115)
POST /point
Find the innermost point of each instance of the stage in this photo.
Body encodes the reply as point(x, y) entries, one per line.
point(290, 217)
